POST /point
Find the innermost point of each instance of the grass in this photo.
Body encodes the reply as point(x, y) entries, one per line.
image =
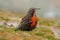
point(37, 33)
point(51, 38)
point(47, 22)
point(6, 19)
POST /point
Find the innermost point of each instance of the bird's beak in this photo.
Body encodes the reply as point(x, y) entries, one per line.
point(37, 8)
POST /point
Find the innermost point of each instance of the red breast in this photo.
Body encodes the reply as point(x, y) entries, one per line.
point(33, 19)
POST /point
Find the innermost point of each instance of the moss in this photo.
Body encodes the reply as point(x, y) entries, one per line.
point(6, 19)
point(40, 34)
point(2, 27)
point(51, 38)
point(46, 22)
point(3, 38)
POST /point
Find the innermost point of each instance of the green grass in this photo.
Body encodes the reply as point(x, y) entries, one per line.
point(6, 19)
point(47, 22)
point(3, 38)
point(37, 33)
point(51, 37)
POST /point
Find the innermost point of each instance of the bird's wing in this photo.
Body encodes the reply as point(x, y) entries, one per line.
point(23, 24)
point(26, 18)
point(26, 22)
point(23, 19)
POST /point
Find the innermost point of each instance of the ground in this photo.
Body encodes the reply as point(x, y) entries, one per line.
point(46, 29)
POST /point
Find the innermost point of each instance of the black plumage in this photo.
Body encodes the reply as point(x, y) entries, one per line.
point(25, 24)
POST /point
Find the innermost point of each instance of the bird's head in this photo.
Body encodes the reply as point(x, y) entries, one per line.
point(32, 11)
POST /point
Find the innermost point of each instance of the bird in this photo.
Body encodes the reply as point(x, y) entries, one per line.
point(29, 22)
